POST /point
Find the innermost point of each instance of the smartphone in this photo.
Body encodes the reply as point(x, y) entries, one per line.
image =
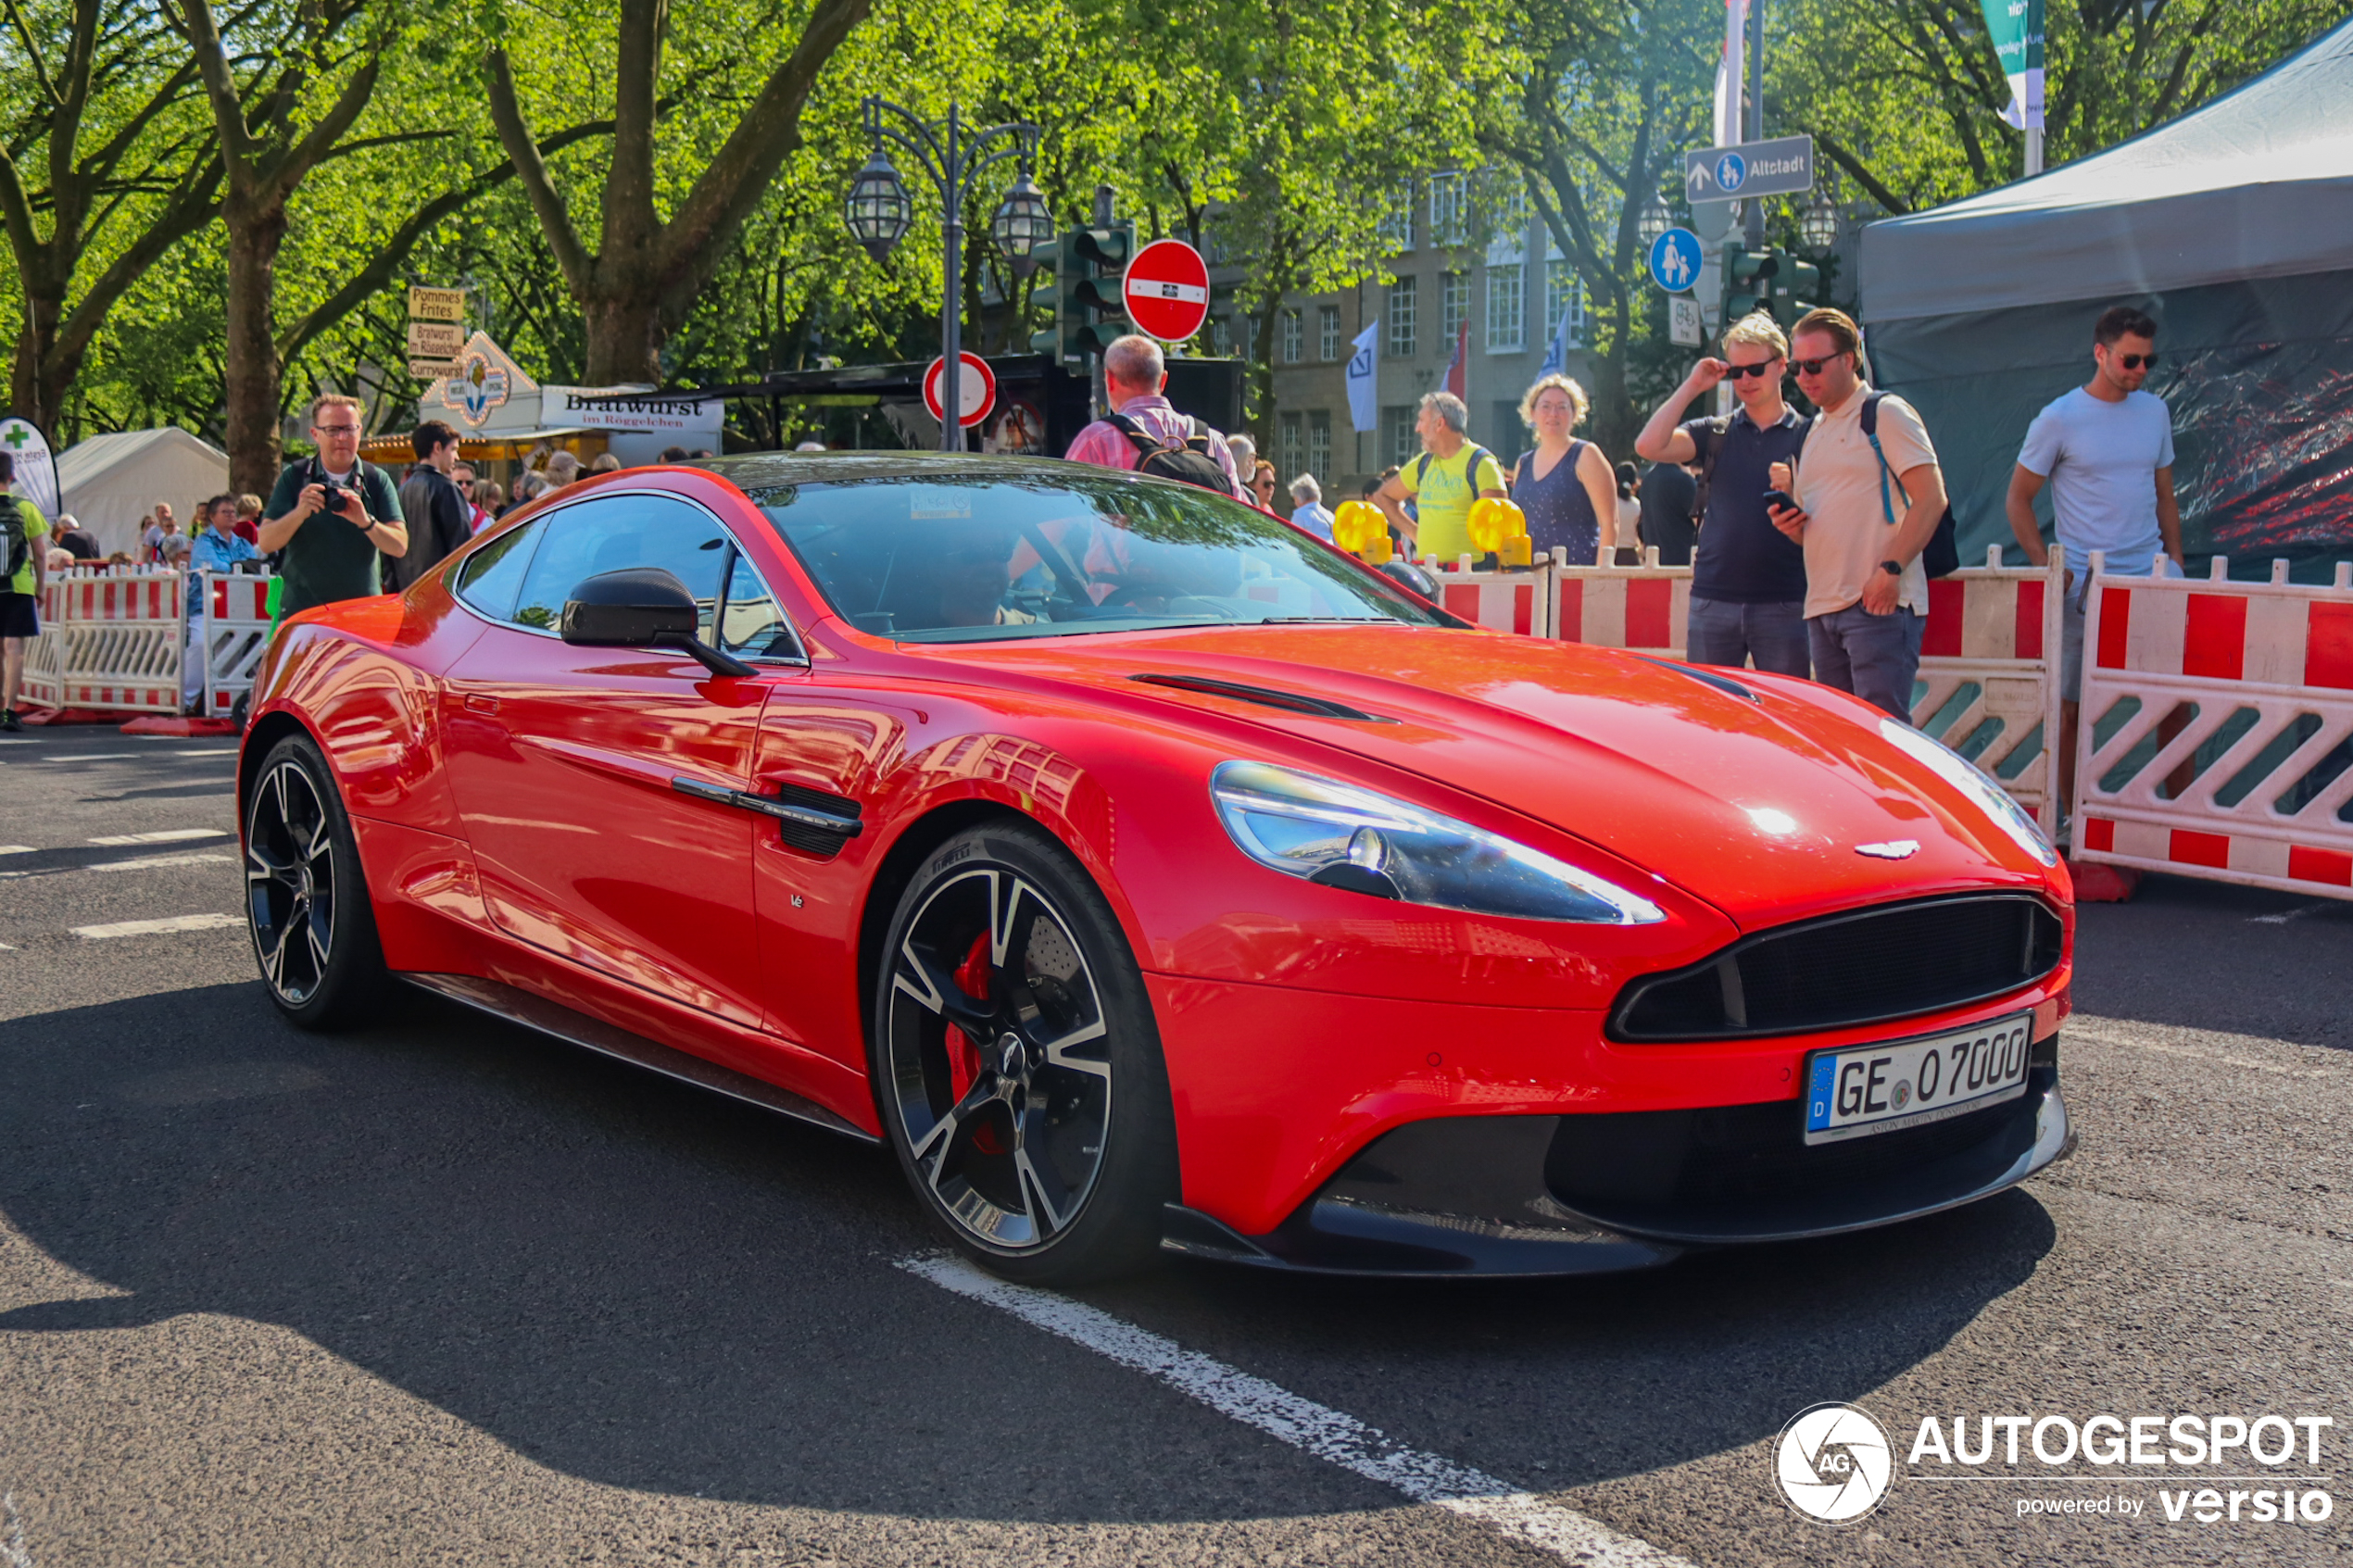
point(1781, 498)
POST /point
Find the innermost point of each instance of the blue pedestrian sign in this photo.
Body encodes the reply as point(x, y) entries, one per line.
point(1675, 260)
point(1731, 173)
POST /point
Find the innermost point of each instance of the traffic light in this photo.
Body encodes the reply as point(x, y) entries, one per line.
point(1084, 297)
point(1800, 283)
point(1749, 276)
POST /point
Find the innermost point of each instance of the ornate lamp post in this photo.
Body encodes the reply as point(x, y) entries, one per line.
point(879, 210)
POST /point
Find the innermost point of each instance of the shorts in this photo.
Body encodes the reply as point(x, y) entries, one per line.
point(19, 615)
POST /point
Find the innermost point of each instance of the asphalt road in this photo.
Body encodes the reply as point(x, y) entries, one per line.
point(446, 1292)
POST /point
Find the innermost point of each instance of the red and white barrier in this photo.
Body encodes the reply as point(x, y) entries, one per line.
point(231, 634)
point(111, 638)
point(1516, 599)
point(2273, 663)
point(1646, 607)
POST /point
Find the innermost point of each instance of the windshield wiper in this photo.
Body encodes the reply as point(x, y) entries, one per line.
point(1321, 619)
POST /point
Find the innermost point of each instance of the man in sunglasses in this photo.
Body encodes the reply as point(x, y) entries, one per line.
point(2107, 451)
point(1748, 582)
point(1868, 501)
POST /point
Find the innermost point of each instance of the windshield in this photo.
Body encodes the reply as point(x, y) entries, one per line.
point(990, 558)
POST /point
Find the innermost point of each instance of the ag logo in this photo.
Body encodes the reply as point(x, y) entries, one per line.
point(1834, 1463)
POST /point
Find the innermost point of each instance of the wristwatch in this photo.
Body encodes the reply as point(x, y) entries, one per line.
point(1892, 568)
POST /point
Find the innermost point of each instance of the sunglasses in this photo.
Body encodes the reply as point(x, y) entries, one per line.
point(2135, 361)
point(1814, 367)
point(1734, 373)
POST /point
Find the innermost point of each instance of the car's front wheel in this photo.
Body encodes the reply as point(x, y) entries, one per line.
point(314, 930)
point(1016, 1064)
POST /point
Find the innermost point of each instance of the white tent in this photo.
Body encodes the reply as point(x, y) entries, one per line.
point(110, 482)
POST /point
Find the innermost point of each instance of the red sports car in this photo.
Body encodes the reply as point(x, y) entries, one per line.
point(1152, 875)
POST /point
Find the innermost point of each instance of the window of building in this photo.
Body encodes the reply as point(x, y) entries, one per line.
point(1564, 293)
point(1405, 309)
point(1398, 441)
point(1454, 307)
point(1319, 447)
point(1221, 335)
point(1506, 308)
point(1448, 210)
point(1294, 337)
point(1291, 447)
point(1397, 226)
point(1327, 332)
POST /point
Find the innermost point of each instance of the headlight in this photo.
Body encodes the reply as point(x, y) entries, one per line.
point(1971, 781)
point(1342, 836)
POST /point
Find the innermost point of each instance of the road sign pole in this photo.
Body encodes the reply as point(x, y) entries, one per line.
point(951, 336)
point(1754, 213)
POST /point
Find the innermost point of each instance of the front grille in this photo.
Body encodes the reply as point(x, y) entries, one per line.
point(1864, 967)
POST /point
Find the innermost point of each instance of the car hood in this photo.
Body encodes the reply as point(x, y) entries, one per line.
point(1758, 802)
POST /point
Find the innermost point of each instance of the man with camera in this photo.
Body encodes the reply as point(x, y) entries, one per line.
point(333, 516)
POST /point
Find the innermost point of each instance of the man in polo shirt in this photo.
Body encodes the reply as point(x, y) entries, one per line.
point(1748, 581)
point(1863, 515)
point(332, 554)
point(1452, 474)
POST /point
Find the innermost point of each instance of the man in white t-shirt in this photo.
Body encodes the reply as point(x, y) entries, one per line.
point(2107, 451)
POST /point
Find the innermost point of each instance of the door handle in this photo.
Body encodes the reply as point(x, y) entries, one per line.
point(477, 703)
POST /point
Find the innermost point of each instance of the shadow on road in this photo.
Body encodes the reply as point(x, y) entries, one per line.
point(652, 1287)
point(2209, 955)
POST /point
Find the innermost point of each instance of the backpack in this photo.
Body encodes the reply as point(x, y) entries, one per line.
point(1942, 555)
point(1189, 464)
point(1471, 469)
point(13, 537)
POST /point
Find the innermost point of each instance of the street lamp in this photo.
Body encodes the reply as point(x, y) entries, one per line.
point(879, 211)
point(1819, 226)
point(1653, 222)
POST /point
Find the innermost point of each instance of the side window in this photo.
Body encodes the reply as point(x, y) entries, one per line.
point(750, 623)
point(491, 574)
point(614, 533)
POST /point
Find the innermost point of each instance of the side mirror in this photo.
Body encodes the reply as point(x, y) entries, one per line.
point(641, 607)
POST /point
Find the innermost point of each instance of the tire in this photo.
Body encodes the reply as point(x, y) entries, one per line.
point(1016, 1066)
point(307, 903)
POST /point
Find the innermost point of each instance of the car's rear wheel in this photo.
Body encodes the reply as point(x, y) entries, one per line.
point(1015, 1061)
point(314, 930)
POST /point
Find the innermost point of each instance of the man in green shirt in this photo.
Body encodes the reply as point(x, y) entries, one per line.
point(20, 534)
point(331, 552)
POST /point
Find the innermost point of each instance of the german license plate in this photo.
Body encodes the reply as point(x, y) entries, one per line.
point(1858, 1090)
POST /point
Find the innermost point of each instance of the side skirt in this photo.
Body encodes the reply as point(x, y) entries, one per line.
point(518, 1006)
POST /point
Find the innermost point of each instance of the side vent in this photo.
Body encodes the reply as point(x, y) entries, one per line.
point(1266, 696)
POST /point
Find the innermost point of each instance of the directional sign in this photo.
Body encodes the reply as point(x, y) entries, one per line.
point(1167, 291)
point(436, 340)
point(436, 304)
point(1675, 260)
point(1778, 167)
point(975, 387)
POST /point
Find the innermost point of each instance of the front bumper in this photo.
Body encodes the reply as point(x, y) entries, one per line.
point(1503, 1195)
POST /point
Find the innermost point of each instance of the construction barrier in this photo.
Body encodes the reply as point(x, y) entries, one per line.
point(233, 632)
point(110, 639)
point(1989, 662)
point(1512, 600)
point(2217, 730)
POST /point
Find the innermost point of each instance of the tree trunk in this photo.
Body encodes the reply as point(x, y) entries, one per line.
point(624, 337)
point(255, 236)
point(35, 388)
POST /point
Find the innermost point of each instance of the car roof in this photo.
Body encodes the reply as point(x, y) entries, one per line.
point(754, 470)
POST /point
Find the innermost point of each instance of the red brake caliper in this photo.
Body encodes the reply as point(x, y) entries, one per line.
point(963, 1054)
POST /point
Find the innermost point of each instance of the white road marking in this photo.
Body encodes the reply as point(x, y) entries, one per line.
point(91, 756)
point(202, 857)
point(206, 751)
point(17, 849)
point(1328, 1433)
point(12, 1551)
point(2103, 1037)
point(162, 836)
point(157, 927)
point(2298, 913)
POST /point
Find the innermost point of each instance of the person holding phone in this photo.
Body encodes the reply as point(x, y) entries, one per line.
point(1748, 581)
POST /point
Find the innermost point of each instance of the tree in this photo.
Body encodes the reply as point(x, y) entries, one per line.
point(645, 274)
point(120, 165)
point(1591, 106)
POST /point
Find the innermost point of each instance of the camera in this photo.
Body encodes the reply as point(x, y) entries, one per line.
point(331, 492)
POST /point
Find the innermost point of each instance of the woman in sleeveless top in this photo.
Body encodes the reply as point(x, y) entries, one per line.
point(1563, 485)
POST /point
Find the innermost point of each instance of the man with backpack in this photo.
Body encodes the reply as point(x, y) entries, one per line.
point(1452, 474)
point(1870, 499)
point(1144, 431)
point(1748, 581)
point(23, 570)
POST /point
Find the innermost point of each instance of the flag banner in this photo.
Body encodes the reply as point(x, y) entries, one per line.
point(1556, 357)
point(1364, 358)
point(1727, 74)
point(36, 471)
point(1458, 372)
point(2017, 29)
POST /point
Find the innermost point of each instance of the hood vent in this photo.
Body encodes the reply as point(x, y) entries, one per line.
point(1705, 677)
point(1266, 696)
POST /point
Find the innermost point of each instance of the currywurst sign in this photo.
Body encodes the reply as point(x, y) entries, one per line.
point(607, 408)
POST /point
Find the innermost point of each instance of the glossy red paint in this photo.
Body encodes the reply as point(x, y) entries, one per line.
point(516, 821)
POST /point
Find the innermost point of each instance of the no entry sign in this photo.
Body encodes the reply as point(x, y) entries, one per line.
point(1167, 291)
point(975, 388)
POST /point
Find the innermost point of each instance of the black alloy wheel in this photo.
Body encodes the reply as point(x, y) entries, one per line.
point(314, 933)
point(1017, 1069)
